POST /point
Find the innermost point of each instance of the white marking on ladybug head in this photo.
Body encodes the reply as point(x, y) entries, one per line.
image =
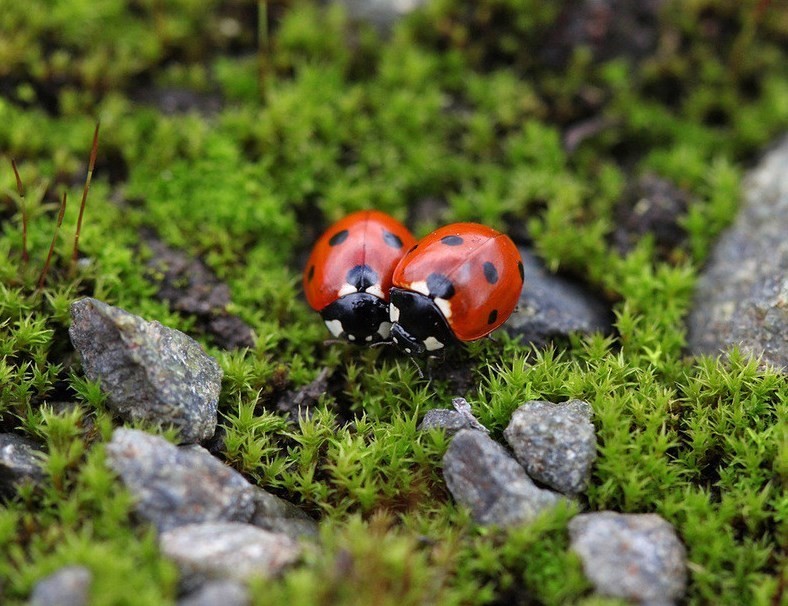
point(351, 337)
point(368, 338)
point(393, 312)
point(376, 291)
point(407, 350)
point(444, 305)
point(420, 286)
point(384, 330)
point(347, 289)
point(335, 327)
point(431, 343)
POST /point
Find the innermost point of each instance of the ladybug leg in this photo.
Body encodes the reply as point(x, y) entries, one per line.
point(415, 363)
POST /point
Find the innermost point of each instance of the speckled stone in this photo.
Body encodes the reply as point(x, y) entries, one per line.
point(225, 593)
point(556, 443)
point(173, 486)
point(19, 463)
point(637, 557)
point(277, 515)
point(69, 586)
point(552, 307)
point(742, 294)
point(148, 371)
point(484, 477)
point(452, 421)
point(226, 550)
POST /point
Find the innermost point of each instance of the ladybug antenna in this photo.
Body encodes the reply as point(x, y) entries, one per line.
point(381, 344)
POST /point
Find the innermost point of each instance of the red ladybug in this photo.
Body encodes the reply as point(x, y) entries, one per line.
point(348, 275)
point(458, 284)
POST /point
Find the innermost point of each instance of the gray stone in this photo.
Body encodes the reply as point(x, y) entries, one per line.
point(452, 421)
point(742, 294)
point(633, 556)
point(178, 485)
point(382, 13)
point(20, 462)
point(69, 586)
point(556, 443)
point(484, 477)
point(552, 307)
point(277, 515)
point(149, 372)
point(226, 550)
point(226, 593)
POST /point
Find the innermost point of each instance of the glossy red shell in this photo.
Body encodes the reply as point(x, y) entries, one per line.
point(367, 237)
point(483, 267)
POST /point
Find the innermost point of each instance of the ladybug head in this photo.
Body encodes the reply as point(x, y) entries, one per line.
point(417, 325)
point(359, 317)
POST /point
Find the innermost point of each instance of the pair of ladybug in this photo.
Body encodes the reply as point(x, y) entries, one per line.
point(372, 282)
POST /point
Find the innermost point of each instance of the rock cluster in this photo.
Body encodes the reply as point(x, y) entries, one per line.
point(632, 556)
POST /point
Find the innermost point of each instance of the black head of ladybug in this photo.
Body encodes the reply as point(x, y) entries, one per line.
point(418, 326)
point(359, 318)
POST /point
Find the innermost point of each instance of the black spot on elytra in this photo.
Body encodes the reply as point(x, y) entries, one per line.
point(521, 270)
point(490, 273)
point(311, 273)
point(452, 240)
point(440, 286)
point(492, 317)
point(338, 238)
point(362, 277)
point(392, 240)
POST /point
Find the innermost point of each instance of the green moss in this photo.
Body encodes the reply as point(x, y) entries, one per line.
point(456, 112)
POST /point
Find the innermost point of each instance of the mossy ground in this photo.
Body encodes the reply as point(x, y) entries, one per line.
point(454, 117)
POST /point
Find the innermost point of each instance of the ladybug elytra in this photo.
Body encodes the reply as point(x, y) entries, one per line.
point(457, 284)
point(348, 275)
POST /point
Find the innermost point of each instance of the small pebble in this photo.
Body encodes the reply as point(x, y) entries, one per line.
point(226, 550)
point(556, 443)
point(19, 463)
point(226, 593)
point(637, 557)
point(69, 586)
point(452, 421)
point(148, 371)
point(484, 477)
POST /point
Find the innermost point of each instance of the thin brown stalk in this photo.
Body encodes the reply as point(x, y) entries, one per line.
point(45, 270)
point(91, 166)
point(23, 209)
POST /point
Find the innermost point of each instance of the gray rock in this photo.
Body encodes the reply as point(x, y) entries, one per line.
point(226, 550)
point(633, 556)
point(742, 295)
point(382, 13)
point(69, 586)
point(552, 307)
point(226, 593)
point(452, 421)
point(178, 485)
point(20, 462)
point(484, 477)
point(149, 372)
point(556, 443)
point(277, 515)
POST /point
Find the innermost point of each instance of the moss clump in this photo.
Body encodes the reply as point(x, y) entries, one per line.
point(462, 113)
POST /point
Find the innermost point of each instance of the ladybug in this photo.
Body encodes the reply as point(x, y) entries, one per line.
point(348, 275)
point(458, 284)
